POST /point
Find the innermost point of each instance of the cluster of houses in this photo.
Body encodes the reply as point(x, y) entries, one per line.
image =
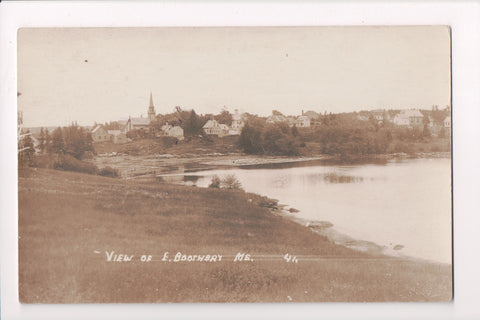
point(100, 134)
point(212, 127)
point(411, 118)
point(302, 121)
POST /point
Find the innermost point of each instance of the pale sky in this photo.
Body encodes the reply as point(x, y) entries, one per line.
point(106, 74)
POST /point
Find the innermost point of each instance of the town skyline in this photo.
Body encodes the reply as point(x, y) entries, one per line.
point(105, 74)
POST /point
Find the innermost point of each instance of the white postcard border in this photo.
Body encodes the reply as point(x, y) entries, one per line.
point(463, 17)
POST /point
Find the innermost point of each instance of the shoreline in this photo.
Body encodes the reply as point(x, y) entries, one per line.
point(323, 228)
point(327, 229)
point(133, 217)
point(188, 163)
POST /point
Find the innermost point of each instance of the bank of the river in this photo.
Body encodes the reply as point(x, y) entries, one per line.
point(327, 229)
point(68, 221)
point(389, 202)
point(172, 168)
point(139, 166)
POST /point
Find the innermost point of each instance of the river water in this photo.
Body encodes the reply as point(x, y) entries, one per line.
point(404, 203)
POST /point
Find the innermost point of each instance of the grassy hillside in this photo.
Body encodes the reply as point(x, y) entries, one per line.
point(67, 221)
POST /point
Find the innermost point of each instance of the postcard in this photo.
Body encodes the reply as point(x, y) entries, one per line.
point(235, 164)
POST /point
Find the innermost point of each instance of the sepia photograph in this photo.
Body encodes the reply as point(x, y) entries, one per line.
point(234, 164)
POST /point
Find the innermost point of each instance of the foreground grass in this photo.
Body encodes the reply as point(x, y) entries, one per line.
point(68, 220)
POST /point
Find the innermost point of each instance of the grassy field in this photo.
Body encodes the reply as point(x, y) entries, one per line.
point(67, 221)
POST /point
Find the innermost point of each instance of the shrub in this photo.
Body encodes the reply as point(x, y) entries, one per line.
point(215, 182)
point(231, 182)
point(109, 172)
point(206, 139)
point(169, 141)
point(268, 203)
point(69, 163)
point(228, 182)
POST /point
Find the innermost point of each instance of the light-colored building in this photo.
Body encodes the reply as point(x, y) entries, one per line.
point(302, 122)
point(447, 122)
point(176, 132)
point(212, 127)
point(362, 118)
point(410, 118)
point(380, 115)
point(237, 124)
point(275, 118)
point(141, 123)
point(151, 109)
point(99, 134)
point(117, 136)
point(172, 131)
point(224, 129)
point(137, 124)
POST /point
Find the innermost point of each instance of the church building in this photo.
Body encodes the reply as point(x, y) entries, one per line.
point(141, 123)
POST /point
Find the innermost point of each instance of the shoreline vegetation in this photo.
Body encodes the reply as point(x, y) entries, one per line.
point(58, 264)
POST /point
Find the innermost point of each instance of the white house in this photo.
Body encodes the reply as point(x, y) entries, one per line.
point(447, 122)
point(117, 136)
point(99, 134)
point(172, 131)
point(302, 122)
point(275, 118)
point(401, 119)
point(410, 118)
point(137, 124)
point(237, 124)
point(212, 127)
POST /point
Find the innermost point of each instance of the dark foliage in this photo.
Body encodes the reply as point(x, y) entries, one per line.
point(73, 140)
point(70, 163)
point(109, 172)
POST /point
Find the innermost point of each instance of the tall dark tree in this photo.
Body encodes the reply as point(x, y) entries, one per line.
point(193, 125)
point(58, 145)
point(294, 131)
point(251, 140)
point(47, 141)
point(74, 141)
point(41, 140)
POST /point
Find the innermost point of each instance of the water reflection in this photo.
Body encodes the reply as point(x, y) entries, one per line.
point(405, 205)
point(333, 177)
point(311, 163)
point(191, 178)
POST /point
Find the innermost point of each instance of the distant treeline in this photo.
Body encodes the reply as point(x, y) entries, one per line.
point(261, 138)
point(73, 140)
point(335, 134)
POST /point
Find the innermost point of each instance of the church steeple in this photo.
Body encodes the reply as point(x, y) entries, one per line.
point(151, 109)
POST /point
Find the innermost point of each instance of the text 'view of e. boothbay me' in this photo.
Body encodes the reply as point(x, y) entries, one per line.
point(112, 256)
point(249, 164)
